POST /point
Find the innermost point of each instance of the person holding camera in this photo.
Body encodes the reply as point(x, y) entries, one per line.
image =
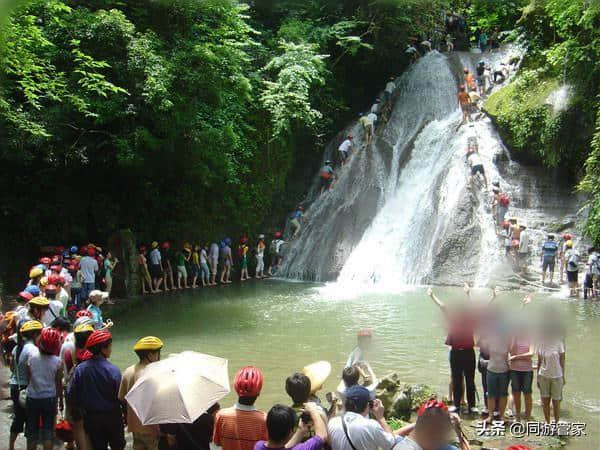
point(281, 421)
point(356, 431)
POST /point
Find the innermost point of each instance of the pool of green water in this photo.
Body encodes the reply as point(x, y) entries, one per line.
point(281, 327)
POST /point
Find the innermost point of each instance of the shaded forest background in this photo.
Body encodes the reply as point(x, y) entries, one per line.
point(188, 119)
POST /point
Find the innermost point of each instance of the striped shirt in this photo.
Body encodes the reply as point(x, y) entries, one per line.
point(240, 427)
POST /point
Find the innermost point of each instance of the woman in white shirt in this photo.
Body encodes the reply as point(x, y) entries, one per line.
point(551, 373)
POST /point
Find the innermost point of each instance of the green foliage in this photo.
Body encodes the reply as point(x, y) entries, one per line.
point(489, 14)
point(287, 98)
point(590, 184)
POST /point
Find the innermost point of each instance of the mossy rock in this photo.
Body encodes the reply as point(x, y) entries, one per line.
point(420, 393)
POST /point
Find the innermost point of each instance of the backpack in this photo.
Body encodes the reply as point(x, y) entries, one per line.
point(503, 200)
point(573, 260)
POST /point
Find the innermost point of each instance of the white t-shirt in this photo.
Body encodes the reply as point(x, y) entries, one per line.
point(524, 242)
point(390, 87)
point(345, 146)
point(52, 312)
point(42, 383)
point(475, 159)
point(549, 354)
point(375, 108)
point(407, 444)
point(214, 251)
point(372, 117)
point(88, 267)
point(365, 433)
point(155, 257)
point(575, 254)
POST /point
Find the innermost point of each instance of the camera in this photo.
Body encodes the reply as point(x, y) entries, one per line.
point(305, 417)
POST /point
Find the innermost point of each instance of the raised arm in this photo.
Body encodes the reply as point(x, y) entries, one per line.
point(436, 300)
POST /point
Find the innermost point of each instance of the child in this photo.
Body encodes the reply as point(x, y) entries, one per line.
point(97, 299)
point(45, 386)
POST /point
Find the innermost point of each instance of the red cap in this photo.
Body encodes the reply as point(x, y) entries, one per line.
point(51, 288)
point(45, 260)
point(53, 278)
point(83, 355)
point(82, 250)
point(83, 313)
point(433, 403)
point(166, 245)
point(567, 236)
point(50, 341)
point(248, 382)
point(518, 447)
point(91, 251)
point(26, 296)
point(278, 234)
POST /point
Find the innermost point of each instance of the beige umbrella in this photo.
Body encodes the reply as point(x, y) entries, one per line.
point(179, 389)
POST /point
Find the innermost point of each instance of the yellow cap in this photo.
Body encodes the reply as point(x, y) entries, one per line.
point(39, 301)
point(31, 325)
point(148, 343)
point(154, 244)
point(35, 272)
point(569, 244)
point(44, 281)
point(83, 328)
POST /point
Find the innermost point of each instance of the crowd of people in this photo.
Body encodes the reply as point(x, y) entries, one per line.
point(65, 366)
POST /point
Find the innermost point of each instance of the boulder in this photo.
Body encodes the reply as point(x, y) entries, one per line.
point(126, 281)
point(400, 399)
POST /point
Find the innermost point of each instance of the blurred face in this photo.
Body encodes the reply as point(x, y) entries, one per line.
point(154, 356)
point(107, 351)
point(435, 436)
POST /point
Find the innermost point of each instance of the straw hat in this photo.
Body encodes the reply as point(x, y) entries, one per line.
point(317, 373)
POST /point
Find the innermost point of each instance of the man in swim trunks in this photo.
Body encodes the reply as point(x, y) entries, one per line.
point(476, 165)
point(326, 175)
point(465, 103)
point(227, 261)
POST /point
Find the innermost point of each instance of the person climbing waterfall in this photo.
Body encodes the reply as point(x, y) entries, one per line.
point(480, 71)
point(523, 253)
point(464, 102)
point(345, 149)
point(469, 80)
point(368, 124)
point(296, 220)
point(476, 165)
point(275, 251)
point(326, 176)
point(549, 252)
point(502, 207)
point(412, 52)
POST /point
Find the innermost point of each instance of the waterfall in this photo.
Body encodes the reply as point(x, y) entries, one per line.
point(401, 212)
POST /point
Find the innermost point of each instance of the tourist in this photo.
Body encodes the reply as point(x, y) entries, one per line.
point(181, 270)
point(260, 257)
point(571, 258)
point(72, 353)
point(588, 281)
point(483, 41)
point(281, 421)
point(214, 263)
point(373, 118)
point(367, 124)
point(359, 355)
point(523, 252)
point(147, 350)
point(551, 371)
point(514, 235)
point(97, 299)
point(76, 284)
point(275, 251)
point(89, 267)
point(482, 364)
point(299, 387)
point(243, 256)
point(345, 148)
point(192, 436)
point(495, 39)
point(521, 370)
point(94, 388)
point(480, 78)
point(461, 327)
point(327, 175)
point(205, 272)
point(37, 309)
point(549, 252)
point(227, 261)
point(498, 370)
point(296, 220)
point(144, 273)
point(449, 44)
point(110, 263)
point(434, 424)
point(242, 426)
point(502, 207)
point(562, 249)
point(469, 80)
point(593, 265)
point(156, 268)
point(43, 390)
point(464, 102)
point(27, 336)
point(390, 87)
point(165, 256)
point(355, 430)
point(412, 52)
point(195, 260)
point(476, 165)
point(55, 307)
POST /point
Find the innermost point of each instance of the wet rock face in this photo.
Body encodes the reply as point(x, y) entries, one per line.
point(126, 282)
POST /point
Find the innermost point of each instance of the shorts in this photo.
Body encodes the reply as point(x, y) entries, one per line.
point(145, 441)
point(369, 128)
point(521, 381)
point(548, 263)
point(497, 384)
point(182, 271)
point(214, 262)
point(550, 387)
point(73, 413)
point(195, 270)
point(156, 271)
point(344, 155)
point(326, 182)
point(105, 428)
point(589, 281)
point(477, 168)
point(41, 417)
point(244, 262)
point(572, 276)
point(480, 81)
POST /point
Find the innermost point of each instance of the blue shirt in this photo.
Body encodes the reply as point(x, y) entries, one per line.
point(95, 385)
point(96, 316)
point(297, 215)
point(549, 249)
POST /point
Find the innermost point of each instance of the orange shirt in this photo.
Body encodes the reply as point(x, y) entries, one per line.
point(463, 98)
point(240, 428)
